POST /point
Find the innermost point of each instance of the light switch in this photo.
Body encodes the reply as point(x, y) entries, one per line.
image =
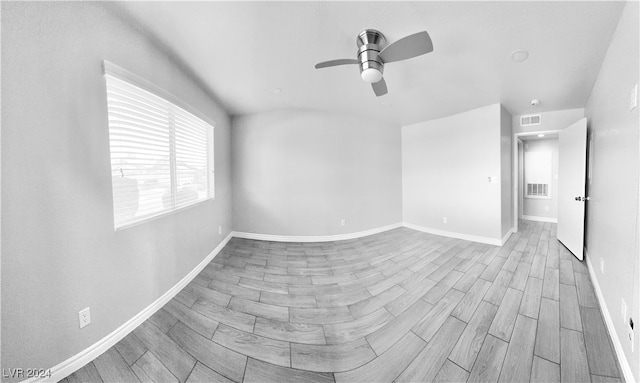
point(633, 98)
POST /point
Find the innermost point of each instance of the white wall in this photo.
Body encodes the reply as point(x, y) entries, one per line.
point(60, 252)
point(445, 168)
point(520, 177)
point(536, 206)
point(612, 212)
point(299, 173)
point(506, 178)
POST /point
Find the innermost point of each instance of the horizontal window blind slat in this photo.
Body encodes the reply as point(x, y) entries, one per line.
point(188, 145)
point(194, 149)
point(122, 106)
point(188, 126)
point(189, 119)
point(125, 104)
point(134, 137)
point(191, 154)
point(124, 122)
point(137, 141)
point(188, 134)
point(120, 87)
point(152, 104)
point(137, 144)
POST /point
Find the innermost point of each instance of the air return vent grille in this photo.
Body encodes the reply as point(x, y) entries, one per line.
point(538, 190)
point(532, 119)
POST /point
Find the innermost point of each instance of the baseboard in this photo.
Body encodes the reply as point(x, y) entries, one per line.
point(540, 219)
point(314, 238)
point(74, 363)
point(622, 359)
point(506, 236)
point(473, 238)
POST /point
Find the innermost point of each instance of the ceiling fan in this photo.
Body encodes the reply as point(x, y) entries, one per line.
point(372, 56)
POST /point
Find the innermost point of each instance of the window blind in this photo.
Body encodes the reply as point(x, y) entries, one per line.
point(161, 155)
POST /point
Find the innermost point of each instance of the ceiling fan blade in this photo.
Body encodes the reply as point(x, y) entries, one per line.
point(329, 63)
point(407, 47)
point(379, 88)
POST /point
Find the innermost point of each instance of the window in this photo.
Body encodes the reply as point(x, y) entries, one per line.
point(161, 155)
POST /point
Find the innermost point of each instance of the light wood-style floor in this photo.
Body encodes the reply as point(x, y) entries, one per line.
point(400, 306)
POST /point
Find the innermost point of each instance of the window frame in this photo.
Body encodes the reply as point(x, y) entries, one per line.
point(113, 70)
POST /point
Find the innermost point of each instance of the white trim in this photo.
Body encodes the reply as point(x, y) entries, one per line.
point(622, 359)
point(467, 237)
point(506, 236)
point(539, 219)
point(74, 363)
point(516, 168)
point(111, 69)
point(314, 238)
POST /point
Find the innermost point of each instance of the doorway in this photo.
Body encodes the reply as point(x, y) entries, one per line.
point(536, 172)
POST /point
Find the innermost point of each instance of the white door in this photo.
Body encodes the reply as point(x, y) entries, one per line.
point(572, 167)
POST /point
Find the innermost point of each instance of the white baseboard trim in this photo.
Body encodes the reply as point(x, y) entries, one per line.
point(74, 363)
point(506, 236)
point(473, 238)
point(624, 363)
point(314, 238)
point(540, 219)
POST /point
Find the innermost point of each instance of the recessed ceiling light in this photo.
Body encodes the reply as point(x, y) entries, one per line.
point(540, 135)
point(519, 55)
point(276, 90)
point(535, 102)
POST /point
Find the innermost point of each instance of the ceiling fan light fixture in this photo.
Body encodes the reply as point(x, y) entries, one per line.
point(372, 56)
point(371, 75)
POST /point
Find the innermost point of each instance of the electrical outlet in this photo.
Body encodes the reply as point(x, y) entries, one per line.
point(602, 265)
point(84, 317)
point(546, 208)
point(623, 309)
point(343, 222)
point(444, 219)
point(219, 230)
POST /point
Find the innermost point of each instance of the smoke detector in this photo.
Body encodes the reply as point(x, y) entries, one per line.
point(519, 55)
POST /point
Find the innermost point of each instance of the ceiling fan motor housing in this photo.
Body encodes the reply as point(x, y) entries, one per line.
point(369, 44)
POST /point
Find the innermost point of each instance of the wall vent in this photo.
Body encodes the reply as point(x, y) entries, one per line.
point(538, 190)
point(532, 119)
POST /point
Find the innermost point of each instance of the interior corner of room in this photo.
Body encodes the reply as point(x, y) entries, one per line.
point(302, 155)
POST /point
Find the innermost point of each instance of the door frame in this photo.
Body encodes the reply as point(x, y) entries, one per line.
point(516, 170)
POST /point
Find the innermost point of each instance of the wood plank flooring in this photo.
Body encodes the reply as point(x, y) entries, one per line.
point(399, 306)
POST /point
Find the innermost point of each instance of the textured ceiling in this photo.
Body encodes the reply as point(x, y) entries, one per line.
point(244, 50)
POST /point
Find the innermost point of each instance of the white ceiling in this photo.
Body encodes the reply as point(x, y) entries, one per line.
point(244, 50)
